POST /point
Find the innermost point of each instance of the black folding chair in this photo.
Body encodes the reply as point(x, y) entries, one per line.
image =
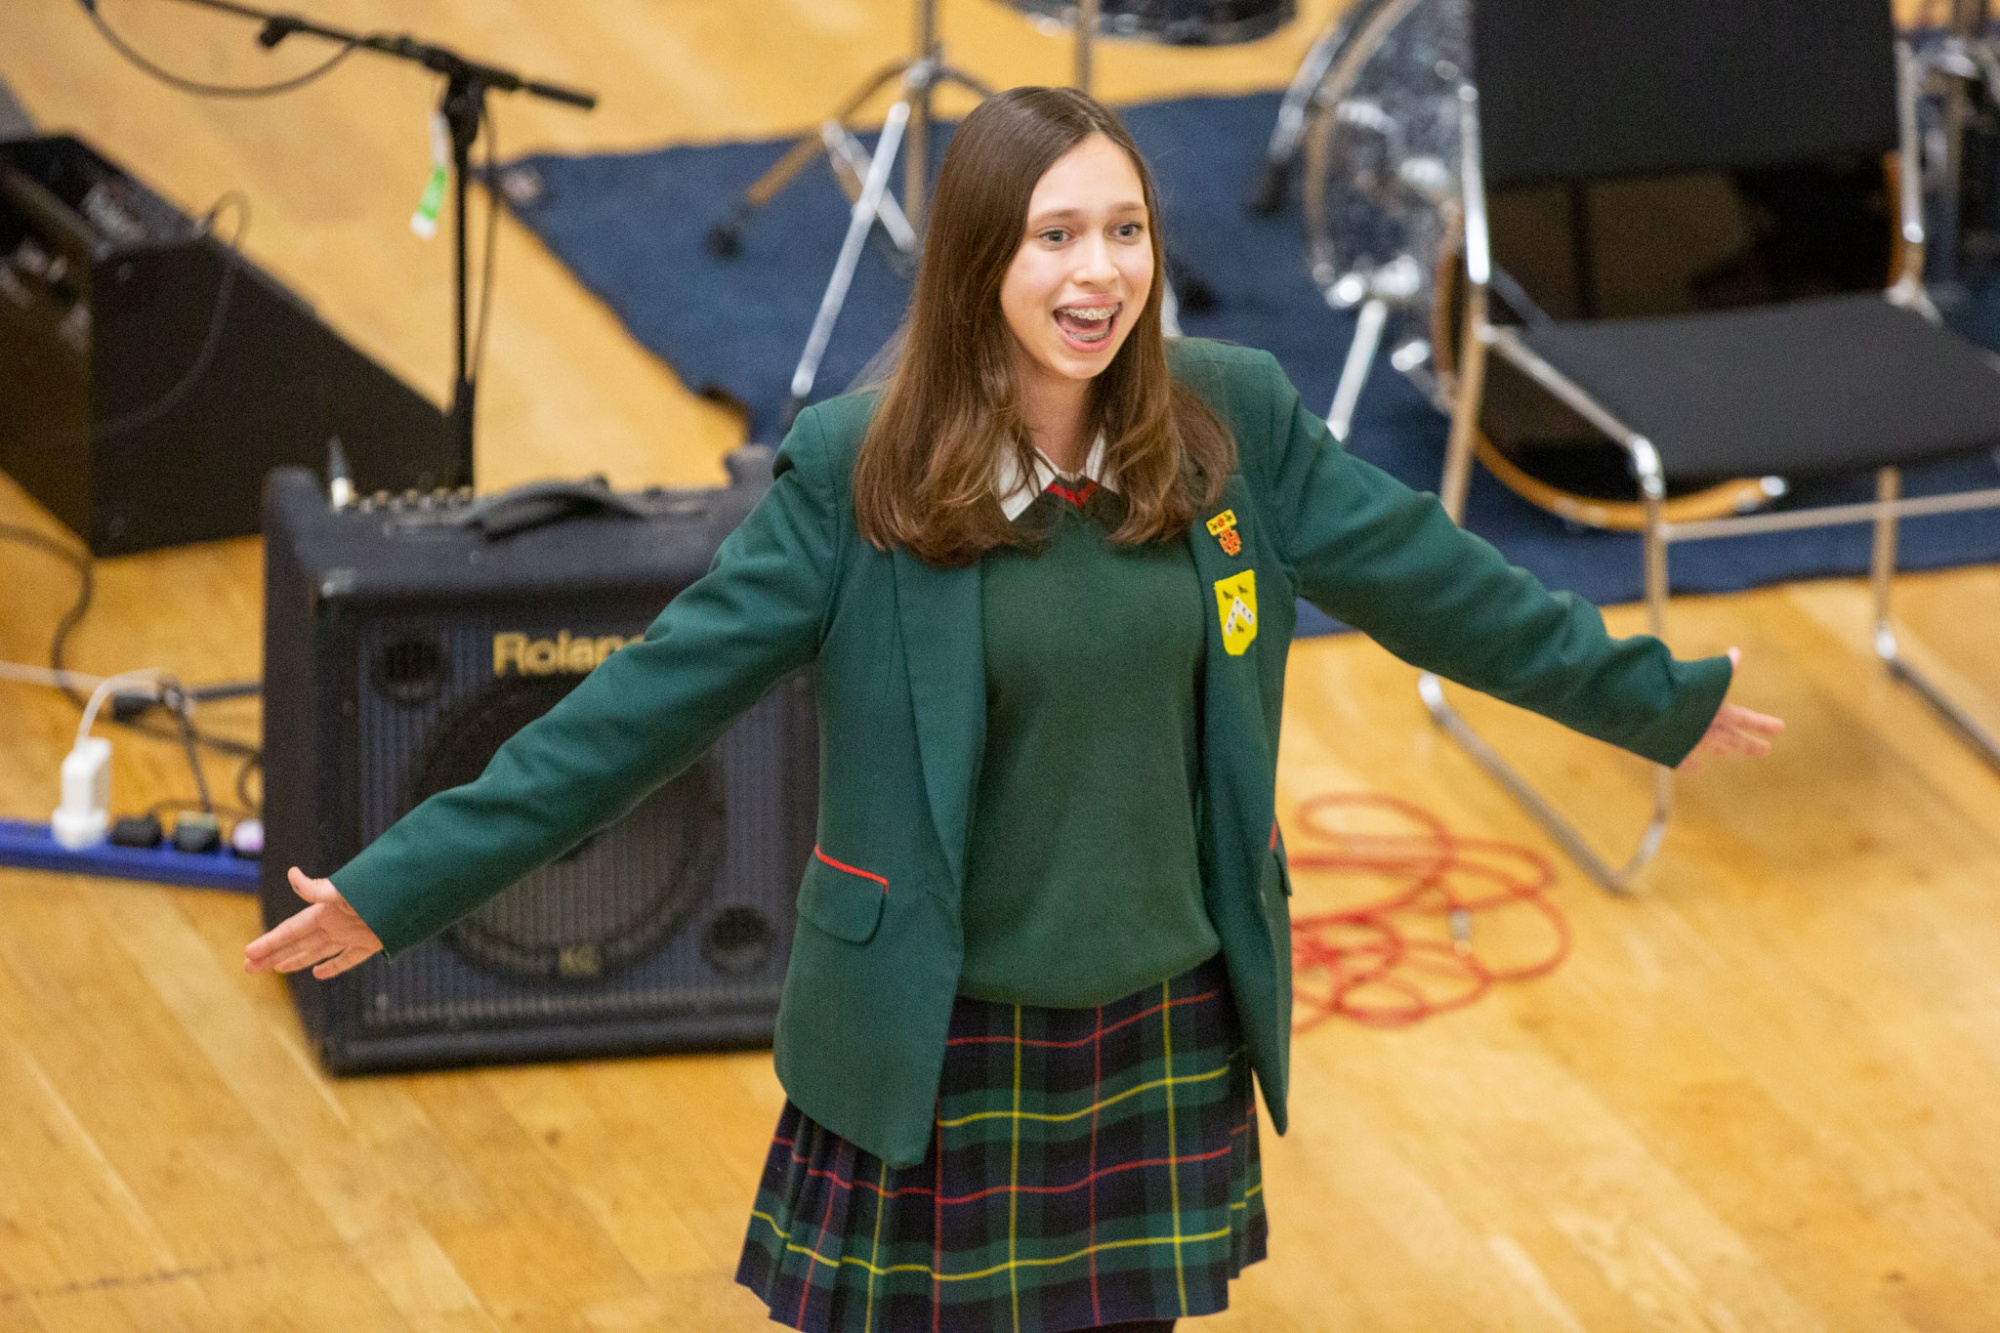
point(1594, 90)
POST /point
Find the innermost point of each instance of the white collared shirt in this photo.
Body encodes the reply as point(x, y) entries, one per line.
point(1017, 492)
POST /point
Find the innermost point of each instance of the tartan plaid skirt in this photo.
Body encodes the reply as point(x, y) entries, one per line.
point(1088, 1166)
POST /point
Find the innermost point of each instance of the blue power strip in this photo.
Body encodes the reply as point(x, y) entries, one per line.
point(32, 847)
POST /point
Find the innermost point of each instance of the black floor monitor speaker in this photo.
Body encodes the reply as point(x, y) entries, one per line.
point(149, 379)
point(403, 643)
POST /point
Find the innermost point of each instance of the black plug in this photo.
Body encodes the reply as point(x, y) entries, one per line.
point(130, 706)
point(197, 833)
point(137, 831)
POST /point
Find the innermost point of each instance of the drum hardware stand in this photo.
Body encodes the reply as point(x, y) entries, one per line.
point(861, 220)
point(1396, 285)
point(1967, 56)
point(848, 158)
point(1083, 19)
point(1391, 289)
point(863, 178)
point(1322, 101)
point(463, 107)
point(1393, 284)
point(1301, 94)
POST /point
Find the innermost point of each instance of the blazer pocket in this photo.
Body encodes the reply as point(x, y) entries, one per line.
point(842, 900)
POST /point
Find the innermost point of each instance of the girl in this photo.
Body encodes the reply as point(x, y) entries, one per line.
point(1047, 577)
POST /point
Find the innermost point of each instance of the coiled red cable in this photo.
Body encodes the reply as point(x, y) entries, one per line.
point(1386, 963)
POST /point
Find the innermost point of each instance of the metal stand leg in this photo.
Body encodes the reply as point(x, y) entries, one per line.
point(1652, 485)
point(860, 219)
point(1471, 390)
point(725, 238)
point(1392, 286)
point(1882, 571)
point(1084, 18)
point(865, 180)
point(1615, 880)
point(1354, 374)
point(850, 162)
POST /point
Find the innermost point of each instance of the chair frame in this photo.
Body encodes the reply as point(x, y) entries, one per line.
point(1479, 336)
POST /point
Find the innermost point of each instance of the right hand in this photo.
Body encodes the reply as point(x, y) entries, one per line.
point(329, 936)
point(1735, 730)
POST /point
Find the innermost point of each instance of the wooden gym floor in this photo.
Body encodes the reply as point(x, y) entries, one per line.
point(1761, 1095)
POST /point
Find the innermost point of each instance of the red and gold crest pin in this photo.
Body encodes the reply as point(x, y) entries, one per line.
point(1223, 528)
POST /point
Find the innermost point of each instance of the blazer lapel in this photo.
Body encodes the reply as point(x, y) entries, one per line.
point(1236, 759)
point(944, 648)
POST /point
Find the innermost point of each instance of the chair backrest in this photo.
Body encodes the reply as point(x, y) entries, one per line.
point(1589, 89)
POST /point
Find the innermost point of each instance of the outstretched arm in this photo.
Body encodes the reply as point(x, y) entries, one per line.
point(1389, 561)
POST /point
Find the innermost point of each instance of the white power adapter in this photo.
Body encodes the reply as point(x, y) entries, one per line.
point(84, 816)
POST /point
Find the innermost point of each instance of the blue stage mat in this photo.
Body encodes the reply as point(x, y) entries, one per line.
point(631, 226)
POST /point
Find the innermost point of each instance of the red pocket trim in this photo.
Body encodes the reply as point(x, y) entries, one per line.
point(852, 870)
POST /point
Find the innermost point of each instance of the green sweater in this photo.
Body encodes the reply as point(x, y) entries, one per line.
point(1083, 881)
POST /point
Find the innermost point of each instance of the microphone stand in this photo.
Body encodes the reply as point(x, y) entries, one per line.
point(463, 107)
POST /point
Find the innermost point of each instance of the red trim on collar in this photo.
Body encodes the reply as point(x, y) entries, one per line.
point(1076, 497)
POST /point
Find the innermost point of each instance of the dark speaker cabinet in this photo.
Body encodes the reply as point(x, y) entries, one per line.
point(401, 648)
point(110, 300)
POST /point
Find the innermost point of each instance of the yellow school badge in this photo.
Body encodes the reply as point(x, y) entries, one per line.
point(1236, 603)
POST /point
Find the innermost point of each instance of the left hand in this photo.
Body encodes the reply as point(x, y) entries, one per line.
point(1735, 730)
point(329, 936)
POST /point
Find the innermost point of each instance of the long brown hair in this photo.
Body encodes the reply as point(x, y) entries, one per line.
point(925, 475)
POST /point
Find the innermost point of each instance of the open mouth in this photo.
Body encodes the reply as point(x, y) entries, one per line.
point(1087, 328)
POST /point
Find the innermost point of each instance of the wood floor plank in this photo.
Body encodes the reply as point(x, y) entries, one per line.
point(298, 1111)
point(535, 1252)
point(631, 1173)
point(1615, 1232)
point(70, 1216)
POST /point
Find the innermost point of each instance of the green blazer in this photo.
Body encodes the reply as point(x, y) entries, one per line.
point(901, 685)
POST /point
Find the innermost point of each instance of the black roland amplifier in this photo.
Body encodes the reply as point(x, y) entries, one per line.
point(404, 641)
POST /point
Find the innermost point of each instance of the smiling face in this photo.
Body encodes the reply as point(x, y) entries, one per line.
point(1035, 324)
point(1083, 272)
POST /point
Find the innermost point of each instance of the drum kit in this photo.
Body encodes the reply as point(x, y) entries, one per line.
point(1371, 111)
point(1369, 127)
